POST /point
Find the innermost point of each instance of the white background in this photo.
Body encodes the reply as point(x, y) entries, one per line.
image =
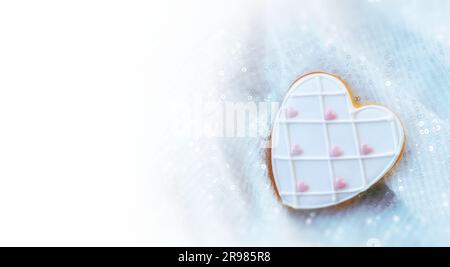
point(84, 87)
point(80, 84)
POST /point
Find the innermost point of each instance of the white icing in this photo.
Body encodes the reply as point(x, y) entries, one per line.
point(388, 154)
point(317, 94)
point(333, 122)
point(327, 139)
point(374, 125)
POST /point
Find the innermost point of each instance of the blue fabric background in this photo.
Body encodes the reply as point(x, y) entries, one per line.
point(392, 52)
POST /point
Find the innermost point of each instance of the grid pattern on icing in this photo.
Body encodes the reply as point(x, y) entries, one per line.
point(327, 139)
point(286, 123)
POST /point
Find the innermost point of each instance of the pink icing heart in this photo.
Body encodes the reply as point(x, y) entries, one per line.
point(302, 187)
point(336, 151)
point(296, 150)
point(291, 113)
point(366, 149)
point(340, 183)
point(330, 115)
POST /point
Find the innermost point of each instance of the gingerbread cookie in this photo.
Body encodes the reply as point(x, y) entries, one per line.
point(325, 148)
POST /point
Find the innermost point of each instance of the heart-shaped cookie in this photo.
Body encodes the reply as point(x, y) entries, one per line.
point(344, 148)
